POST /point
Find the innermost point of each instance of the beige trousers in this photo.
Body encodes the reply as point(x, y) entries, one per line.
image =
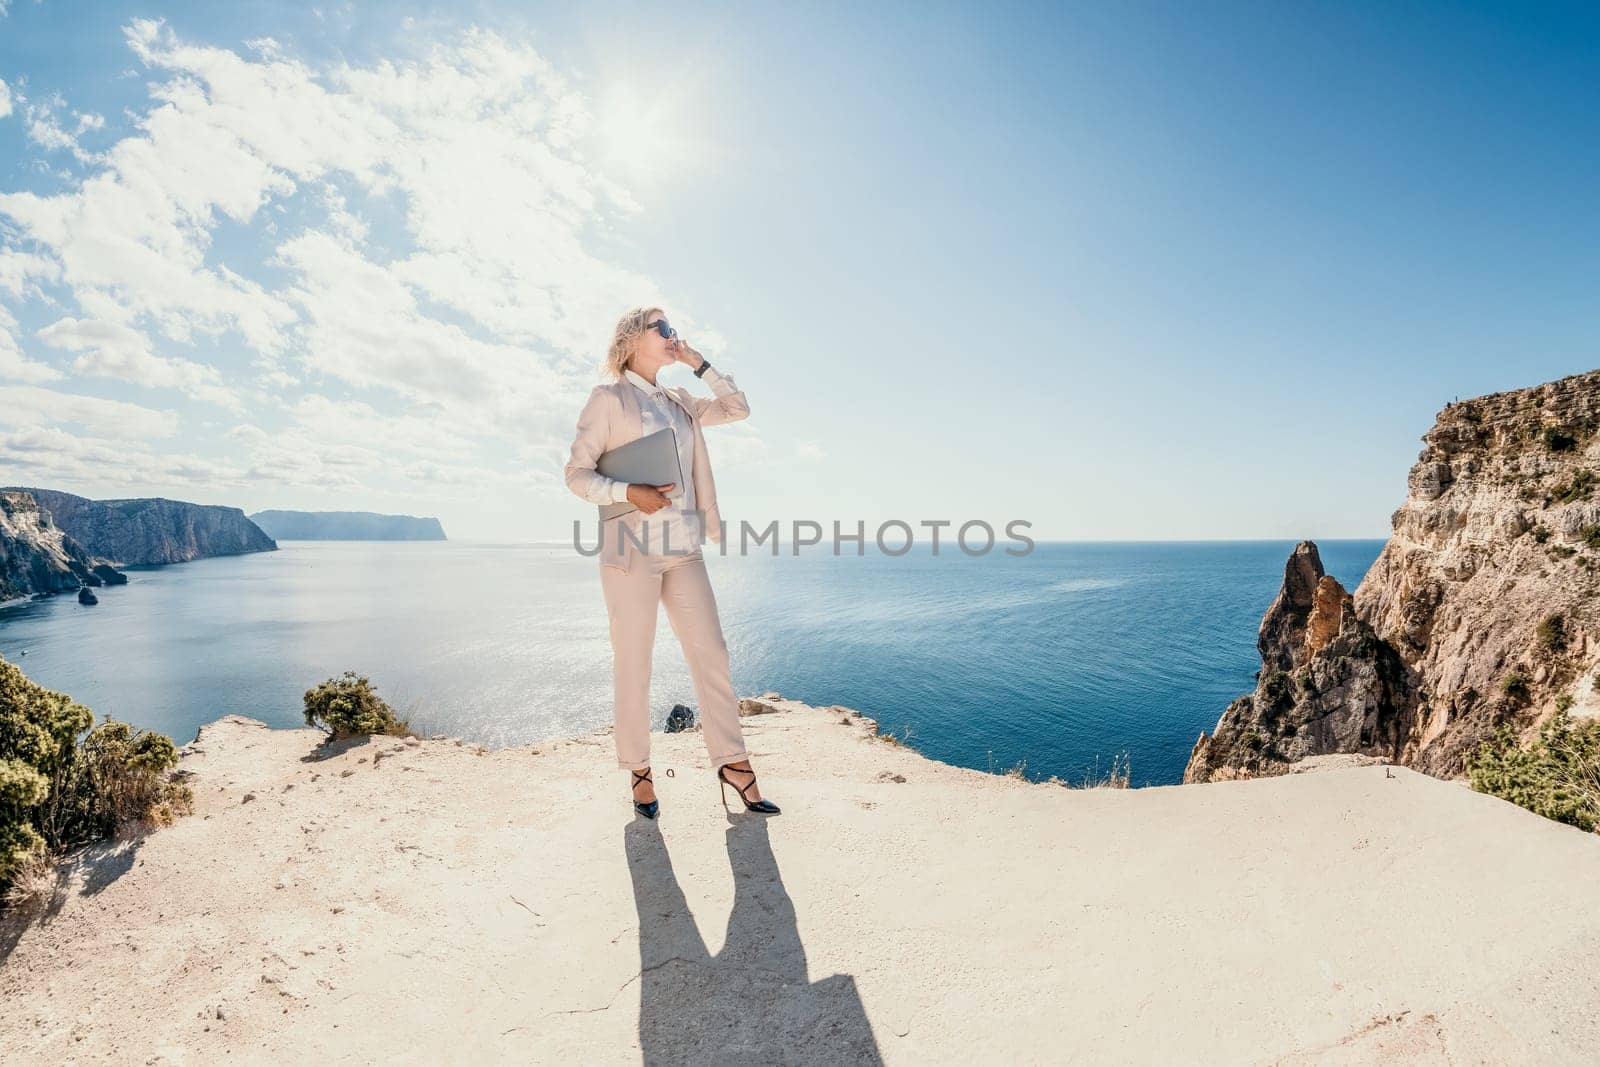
point(680, 583)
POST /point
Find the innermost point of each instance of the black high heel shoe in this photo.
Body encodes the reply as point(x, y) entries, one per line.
point(647, 810)
point(764, 806)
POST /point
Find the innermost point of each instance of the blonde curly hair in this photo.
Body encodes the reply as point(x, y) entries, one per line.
point(629, 329)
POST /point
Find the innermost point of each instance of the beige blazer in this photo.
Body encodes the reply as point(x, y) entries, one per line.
point(610, 417)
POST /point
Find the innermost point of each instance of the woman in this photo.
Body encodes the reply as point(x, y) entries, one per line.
point(652, 555)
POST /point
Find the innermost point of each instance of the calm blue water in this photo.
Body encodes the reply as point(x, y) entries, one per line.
point(1062, 658)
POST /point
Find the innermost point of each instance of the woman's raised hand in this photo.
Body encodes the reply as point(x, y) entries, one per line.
point(649, 498)
point(686, 354)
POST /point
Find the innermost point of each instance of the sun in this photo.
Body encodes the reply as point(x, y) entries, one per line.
point(636, 131)
point(646, 131)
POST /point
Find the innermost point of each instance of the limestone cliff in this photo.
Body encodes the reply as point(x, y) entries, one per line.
point(152, 529)
point(1481, 609)
point(37, 556)
point(1327, 684)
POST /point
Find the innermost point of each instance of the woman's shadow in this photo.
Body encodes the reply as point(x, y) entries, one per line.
point(752, 1002)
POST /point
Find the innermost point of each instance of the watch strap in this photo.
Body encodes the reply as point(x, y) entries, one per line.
point(705, 365)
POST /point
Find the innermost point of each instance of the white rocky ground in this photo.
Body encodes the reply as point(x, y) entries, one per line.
point(425, 903)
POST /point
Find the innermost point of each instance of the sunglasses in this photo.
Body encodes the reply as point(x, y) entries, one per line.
point(662, 328)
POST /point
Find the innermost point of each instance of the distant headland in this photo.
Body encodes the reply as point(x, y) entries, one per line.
point(347, 526)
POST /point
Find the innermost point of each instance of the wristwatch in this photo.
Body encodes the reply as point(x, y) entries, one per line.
point(704, 364)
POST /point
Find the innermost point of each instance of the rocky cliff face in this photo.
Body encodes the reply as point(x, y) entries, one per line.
point(1480, 610)
point(1328, 683)
point(152, 529)
point(37, 556)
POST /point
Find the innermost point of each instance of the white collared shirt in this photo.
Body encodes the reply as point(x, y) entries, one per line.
point(676, 527)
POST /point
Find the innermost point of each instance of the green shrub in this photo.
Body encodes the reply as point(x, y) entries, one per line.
point(58, 791)
point(347, 706)
point(1557, 439)
point(38, 734)
point(127, 773)
point(1541, 533)
point(1552, 633)
point(1278, 689)
point(21, 789)
point(1515, 686)
point(1558, 776)
point(1577, 489)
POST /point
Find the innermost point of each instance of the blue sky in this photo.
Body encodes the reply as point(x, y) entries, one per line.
point(1121, 270)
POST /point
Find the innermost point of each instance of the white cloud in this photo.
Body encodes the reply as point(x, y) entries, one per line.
point(53, 456)
point(113, 349)
point(364, 327)
point(46, 132)
point(45, 128)
point(483, 329)
point(474, 140)
point(353, 422)
point(131, 240)
point(443, 481)
point(737, 445)
point(14, 365)
point(5, 90)
point(276, 379)
point(30, 406)
point(21, 273)
point(342, 445)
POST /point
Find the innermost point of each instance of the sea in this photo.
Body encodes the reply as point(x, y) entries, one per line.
point(1060, 662)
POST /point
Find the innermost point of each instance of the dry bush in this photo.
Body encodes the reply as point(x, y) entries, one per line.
point(1115, 778)
point(33, 880)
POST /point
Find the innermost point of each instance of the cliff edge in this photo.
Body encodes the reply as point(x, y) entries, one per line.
point(1480, 610)
point(38, 557)
point(386, 901)
point(146, 530)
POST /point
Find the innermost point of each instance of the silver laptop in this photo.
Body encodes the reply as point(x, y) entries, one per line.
point(650, 460)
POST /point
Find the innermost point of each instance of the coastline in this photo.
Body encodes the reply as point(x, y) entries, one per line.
point(987, 711)
point(508, 905)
